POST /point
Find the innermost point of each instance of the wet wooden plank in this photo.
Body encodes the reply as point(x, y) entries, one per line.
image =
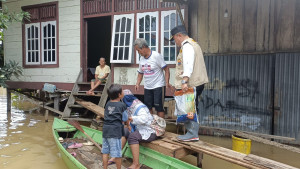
point(92, 107)
point(266, 162)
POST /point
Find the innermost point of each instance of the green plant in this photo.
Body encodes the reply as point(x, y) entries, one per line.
point(8, 70)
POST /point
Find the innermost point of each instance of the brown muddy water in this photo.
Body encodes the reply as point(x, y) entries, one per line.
point(26, 142)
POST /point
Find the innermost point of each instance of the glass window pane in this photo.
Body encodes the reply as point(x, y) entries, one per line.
point(117, 25)
point(29, 57)
point(45, 44)
point(166, 53)
point(166, 23)
point(37, 56)
point(153, 24)
point(128, 25)
point(36, 32)
point(147, 37)
point(120, 54)
point(49, 55)
point(49, 30)
point(173, 20)
point(172, 43)
point(153, 48)
point(53, 31)
point(153, 39)
point(147, 23)
point(32, 31)
point(116, 40)
point(29, 44)
point(172, 54)
point(178, 20)
point(33, 57)
point(36, 44)
point(28, 33)
point(166, 38)
point(141, 35)
point(127, 39)
point(45, 56)
point(126, 53)
point(122, 38)
point(32, 45)
point(45, 31)
point(123, 24)
point(141, 26)
point(53, 55)
point(49, 43)
point(53, 43)
point(115, 57)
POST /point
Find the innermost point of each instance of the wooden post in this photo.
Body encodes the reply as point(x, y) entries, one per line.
point(199, 159)
point(56, 102)
point(8, 94)
point(46, 115)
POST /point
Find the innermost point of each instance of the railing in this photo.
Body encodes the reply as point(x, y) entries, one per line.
point(92, 7)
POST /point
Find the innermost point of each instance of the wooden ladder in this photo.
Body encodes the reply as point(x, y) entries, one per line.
point(76, 92)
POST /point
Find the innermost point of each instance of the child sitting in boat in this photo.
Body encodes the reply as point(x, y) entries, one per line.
point(113, 128)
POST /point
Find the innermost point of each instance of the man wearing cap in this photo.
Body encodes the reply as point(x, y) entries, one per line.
point(190, 72)
point(151, 67)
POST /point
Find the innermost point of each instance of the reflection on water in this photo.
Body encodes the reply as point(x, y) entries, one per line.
point(26, 141)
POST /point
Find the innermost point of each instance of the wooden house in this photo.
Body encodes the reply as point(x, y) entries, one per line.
point(251, 48)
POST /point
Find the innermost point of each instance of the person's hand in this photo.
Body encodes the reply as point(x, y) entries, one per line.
point(137, 87)
point(184, 87)
point(168, 85)
point(171, 88)
point(129, 128)
point(130, 119)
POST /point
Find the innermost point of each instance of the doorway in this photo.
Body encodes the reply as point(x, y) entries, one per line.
point(98, 43)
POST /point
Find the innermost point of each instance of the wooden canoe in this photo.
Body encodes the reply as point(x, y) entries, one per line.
point(85, 156)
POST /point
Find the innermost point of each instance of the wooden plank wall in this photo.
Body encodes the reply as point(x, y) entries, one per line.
point(251, 26)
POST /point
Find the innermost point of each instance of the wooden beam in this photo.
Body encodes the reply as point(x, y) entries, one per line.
point(92, 107)
point(224, 153)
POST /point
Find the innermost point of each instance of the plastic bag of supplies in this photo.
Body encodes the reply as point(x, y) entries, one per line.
point(185, 108)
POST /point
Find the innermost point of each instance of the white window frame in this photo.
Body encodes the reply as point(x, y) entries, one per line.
point(163, 14)
point(143, 15)
point(26, 42)
point(55, 39)
point(119, 17)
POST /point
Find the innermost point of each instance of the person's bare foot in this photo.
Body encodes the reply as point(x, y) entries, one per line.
point(134, 166)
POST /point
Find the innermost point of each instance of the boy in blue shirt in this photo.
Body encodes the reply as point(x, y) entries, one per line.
point(113, 128)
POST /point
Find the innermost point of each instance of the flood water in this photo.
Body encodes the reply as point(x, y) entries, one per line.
point(26, 142)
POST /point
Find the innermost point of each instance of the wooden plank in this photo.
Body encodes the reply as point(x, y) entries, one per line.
point(225, 26)
point(272, 27)
point(265, 141)
point(213, 26)
point(193, 10)
point(250, 25)
point(285, 22)
point(104, 95)
point(297, 27)
point(237, 25)
point(267, 162)
point(263, 25)
point(203, 25)
point(168, 149)
point(92, 107)
point(224, 153)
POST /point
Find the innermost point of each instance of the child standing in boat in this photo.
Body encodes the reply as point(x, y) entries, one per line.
point(113, 128)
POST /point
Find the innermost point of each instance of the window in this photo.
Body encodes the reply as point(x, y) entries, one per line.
point(32, 33)
point(49, 42)
point(121, 47)
point(147, 28)
point(169, 20)
point(40, 36)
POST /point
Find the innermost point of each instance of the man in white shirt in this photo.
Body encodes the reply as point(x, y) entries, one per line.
point(151, 67)
point(190, 72)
